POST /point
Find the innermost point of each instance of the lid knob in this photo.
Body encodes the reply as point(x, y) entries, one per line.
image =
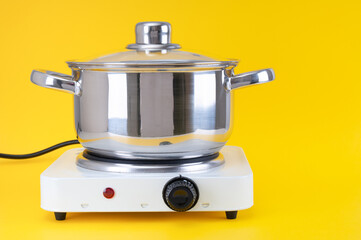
point(153, 36)
point(152, 33)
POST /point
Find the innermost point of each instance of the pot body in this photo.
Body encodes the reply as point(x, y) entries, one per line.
point(153, 115)
point(156, 114)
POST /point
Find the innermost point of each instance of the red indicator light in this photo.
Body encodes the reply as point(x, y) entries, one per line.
point(108, 193)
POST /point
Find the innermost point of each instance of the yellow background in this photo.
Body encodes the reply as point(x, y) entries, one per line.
point(301, 133)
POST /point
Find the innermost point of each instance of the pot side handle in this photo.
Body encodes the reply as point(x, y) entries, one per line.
point(250, 78)
point(54, 80)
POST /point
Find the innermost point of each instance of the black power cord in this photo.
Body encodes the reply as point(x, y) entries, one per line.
point(41, 152)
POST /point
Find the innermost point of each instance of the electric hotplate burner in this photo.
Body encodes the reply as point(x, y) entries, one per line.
point(93, 156)
point(133, 186)
point(96, 162)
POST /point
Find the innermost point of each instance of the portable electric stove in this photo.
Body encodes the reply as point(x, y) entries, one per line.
point(81, 182)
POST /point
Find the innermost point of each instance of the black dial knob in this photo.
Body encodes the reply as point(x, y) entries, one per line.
point(180, 194)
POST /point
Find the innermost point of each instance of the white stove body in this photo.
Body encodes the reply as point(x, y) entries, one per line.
point(65, 187)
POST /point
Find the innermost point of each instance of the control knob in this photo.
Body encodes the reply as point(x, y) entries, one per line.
point(180, 194)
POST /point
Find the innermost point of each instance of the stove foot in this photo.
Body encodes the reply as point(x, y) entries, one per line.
point(231, 214)
point(60, 216)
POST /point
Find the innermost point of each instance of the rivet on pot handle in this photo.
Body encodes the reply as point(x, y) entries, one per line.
point(54, 80)
point(249, 78)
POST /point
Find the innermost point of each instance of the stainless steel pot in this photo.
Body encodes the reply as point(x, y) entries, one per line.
point(153, 102)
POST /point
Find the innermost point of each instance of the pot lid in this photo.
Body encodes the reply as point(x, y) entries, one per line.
point(153, 50)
